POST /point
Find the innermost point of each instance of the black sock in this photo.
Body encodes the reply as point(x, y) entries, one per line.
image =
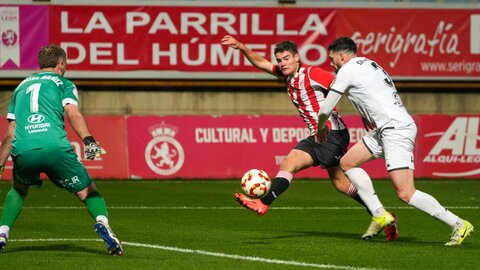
point(279, 185)
point(359, 200)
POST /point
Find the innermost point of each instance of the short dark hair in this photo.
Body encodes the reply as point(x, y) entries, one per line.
point(49, 56)
point(343, 44)
point(286, 45)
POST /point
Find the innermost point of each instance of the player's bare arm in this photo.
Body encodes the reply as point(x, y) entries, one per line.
point(322, 133)
point(77, 120)
point(78, 123)
point(324, 113)
point(6, 145)
point(257, 60)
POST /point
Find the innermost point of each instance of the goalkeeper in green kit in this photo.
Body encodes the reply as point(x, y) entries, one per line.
point(37, 142)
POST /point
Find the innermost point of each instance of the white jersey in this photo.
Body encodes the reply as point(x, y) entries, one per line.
point(372, 93)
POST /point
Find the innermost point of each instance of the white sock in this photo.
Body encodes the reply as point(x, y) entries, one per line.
point(431, 206)
point(5, 229)
point(102, 219)
point(363, 183)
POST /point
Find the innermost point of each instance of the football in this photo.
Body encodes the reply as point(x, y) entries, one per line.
point(255, 183)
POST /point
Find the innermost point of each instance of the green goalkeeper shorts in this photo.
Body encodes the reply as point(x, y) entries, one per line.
point(61, 165)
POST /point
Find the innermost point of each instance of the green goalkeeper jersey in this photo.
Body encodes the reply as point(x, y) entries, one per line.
point(37, 108)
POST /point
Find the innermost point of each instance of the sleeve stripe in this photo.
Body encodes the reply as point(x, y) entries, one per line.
point(11, 116)
point(69, 101)
point(322, 77)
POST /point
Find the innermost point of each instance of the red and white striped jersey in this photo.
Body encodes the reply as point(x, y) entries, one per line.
point(307, 90)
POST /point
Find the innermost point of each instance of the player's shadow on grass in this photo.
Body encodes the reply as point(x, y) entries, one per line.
point(302, 234)
point(322, 234)
point(58, 248)
point(353, 236)
point(325, 234)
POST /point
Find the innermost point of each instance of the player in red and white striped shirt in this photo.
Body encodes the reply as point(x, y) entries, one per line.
point(307, 89)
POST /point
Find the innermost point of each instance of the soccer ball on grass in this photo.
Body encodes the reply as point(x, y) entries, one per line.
point(255, 183)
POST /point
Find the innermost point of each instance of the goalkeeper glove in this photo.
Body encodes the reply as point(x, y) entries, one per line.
point(92, 149)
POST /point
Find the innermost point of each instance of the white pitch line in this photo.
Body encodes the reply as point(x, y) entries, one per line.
point(231, 207)
point(206, 253)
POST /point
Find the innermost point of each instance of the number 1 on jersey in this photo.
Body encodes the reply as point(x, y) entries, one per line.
point(35, 89)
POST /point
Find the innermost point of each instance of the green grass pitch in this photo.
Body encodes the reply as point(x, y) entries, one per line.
point(198, 225)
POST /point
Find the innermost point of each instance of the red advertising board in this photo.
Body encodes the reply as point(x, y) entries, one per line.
point(184, 38)
point(448, 146)
point(416, 43)
point(162, 41)
point(220, 146)
point(110, 131)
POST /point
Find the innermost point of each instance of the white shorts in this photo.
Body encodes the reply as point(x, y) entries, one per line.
point(395, 145)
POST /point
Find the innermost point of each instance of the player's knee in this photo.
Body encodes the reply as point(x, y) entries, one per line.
point(84, 194)
point(404, 195)
point(291, 165)
point(91, 195)
point(345, 165)
point(81, 196)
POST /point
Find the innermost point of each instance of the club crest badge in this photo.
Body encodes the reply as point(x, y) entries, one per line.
point(164, 154)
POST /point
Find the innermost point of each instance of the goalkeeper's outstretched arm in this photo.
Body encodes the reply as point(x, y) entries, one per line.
point(78, 123)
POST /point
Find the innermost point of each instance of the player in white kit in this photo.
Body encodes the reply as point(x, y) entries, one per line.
point(391, 136)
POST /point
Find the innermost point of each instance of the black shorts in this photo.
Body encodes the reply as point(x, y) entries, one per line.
point(326, 154)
